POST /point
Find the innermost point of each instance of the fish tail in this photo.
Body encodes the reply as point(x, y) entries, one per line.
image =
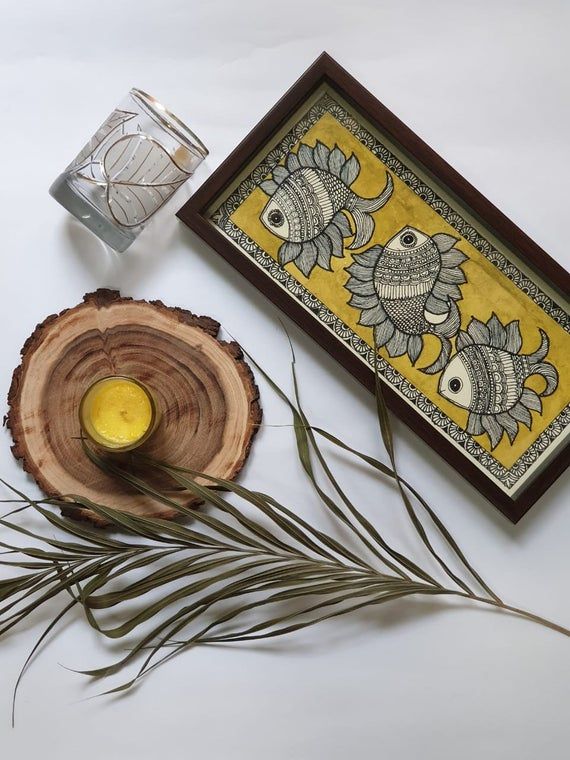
point(536, 366)
point(550, 375)
point(541, 351)
point(442, 359)
point(369, 205)
point(362, 208)
point(451, 324)
point(364, 228)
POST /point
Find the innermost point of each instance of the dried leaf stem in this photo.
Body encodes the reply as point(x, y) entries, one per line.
point(230, 573)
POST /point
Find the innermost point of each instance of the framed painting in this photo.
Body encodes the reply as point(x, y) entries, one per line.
point(372, 243)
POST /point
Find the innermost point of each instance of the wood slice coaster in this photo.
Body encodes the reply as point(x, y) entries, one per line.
point(205, 390)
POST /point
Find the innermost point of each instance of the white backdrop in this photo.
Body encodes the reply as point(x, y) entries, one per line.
point(486, 84)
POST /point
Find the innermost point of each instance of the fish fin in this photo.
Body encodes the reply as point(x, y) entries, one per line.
point(350, 170)
point(452, 258)
point(307, 258)
point(549, 374)
point(369, 258)
point(441, 360)
point(492, 428)
point(374, 316)
point(478, 332)
point(444, 242)
point(364, 225)
point(279, 174)
point(337, 160)
point(340, 221)
point(269, 186)
point(452, 276)
point(508, 423)
point(305, 156)
point(531, 400)
point(463, 339)
point(324, 261)
point(398, 344)
point(363, 302)
point(474, 426)
point(292, 163)
point(446, 290)
point(360, 288)
point(361, 273)
point(324, 251)
point(415, 346)
point(538, 355)
point(383, 332)
point(337, 242)
point(497, 334)
point(513, 340)
point(288, 252)
point(521, 413)
point(321, 155)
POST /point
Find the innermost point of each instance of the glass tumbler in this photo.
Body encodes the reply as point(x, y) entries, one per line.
point(131, 166)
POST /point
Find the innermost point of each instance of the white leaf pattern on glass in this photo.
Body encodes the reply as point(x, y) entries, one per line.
point(141, 175)
point(115, 121)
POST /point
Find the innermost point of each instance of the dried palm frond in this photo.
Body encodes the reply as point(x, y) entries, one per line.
point(232, 572)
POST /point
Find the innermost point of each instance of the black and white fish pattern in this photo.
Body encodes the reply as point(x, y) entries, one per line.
point(487, 375)
point(408, 288)
point(307, 199)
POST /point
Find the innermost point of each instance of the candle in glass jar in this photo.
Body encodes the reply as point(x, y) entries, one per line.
point(118, 413)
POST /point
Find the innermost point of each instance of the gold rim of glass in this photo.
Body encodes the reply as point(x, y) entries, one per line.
point(100, 442)
point(172, 122)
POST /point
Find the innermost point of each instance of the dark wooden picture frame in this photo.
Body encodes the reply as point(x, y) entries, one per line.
point(195, 214)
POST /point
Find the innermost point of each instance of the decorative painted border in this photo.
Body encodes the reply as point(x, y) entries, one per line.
point(508, 477)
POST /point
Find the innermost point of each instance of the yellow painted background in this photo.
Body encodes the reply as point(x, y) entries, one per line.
point(487, 290)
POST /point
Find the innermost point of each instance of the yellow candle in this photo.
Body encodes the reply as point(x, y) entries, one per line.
point(118, 413)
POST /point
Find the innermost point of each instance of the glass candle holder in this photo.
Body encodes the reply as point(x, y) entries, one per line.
point(131, 166)
point(118, 413)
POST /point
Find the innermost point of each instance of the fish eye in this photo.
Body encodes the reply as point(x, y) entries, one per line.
point(408, 239)
point(455, 385)
point(276, 218)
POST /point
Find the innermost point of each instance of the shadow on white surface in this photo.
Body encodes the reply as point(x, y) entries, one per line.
point(125, 271)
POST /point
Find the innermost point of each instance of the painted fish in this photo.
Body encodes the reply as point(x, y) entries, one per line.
point(487, 375)
point(307, 199)
point(407, 289)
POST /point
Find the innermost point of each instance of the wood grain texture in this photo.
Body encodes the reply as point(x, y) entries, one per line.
point(205, 390)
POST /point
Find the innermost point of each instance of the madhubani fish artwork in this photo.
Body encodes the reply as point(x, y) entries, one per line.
point(487, 377)
point(407, 289)
point(308, 200)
